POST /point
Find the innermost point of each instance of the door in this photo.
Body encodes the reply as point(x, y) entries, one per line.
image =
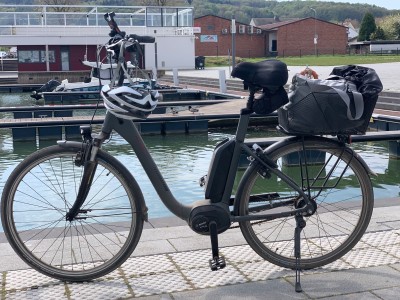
point(64, 58)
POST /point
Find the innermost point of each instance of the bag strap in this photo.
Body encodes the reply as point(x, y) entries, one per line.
point(358, 103)
point(318, 86)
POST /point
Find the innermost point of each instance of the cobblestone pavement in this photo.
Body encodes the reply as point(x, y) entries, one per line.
point(371, 270)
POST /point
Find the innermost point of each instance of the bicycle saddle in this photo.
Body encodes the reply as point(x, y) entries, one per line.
point(267, 73)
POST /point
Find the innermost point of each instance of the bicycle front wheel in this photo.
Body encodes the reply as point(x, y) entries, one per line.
point(37, 198)
point(340, 190)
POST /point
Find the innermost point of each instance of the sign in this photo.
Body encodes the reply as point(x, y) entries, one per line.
point(233, 26)
point(210, 38)
point(196, 29)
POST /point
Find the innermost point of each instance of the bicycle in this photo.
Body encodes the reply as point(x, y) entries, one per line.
point(74, 212)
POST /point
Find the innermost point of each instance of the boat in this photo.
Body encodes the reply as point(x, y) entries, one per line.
point(100, 74)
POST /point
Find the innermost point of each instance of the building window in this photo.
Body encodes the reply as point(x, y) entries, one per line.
point(210, 27)
point(43, 56)
point(35, 56)
point(169, 17)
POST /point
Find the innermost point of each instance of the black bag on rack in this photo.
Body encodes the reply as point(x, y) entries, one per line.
point(342, 104)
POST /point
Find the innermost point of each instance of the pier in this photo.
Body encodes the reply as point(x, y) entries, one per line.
point(54, 122)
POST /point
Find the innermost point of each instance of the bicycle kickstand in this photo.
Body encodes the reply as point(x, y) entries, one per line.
point(217, 262)
point(300, 224)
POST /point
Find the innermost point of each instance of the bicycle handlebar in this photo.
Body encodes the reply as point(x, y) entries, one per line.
point(142, 38)
point(109, 17)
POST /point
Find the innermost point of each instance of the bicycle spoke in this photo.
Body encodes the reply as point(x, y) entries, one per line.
point(105, 230)
point(337, 185)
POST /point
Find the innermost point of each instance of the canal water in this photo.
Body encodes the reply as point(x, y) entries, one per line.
point(184, 158)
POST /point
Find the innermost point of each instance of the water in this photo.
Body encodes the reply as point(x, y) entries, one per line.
point(183, 159)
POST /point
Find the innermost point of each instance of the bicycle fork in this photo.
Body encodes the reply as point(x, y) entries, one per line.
point(86, 158)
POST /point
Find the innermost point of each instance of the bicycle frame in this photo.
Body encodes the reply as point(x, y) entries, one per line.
point(130, 133)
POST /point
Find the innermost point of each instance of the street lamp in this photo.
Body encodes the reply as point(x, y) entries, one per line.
point(315, 31)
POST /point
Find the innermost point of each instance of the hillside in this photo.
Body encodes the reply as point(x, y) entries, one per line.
point(245, 10)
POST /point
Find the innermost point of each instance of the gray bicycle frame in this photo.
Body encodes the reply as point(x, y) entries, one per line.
point(128, 130)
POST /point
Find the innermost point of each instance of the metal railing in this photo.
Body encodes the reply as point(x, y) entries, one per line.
point(82, 15)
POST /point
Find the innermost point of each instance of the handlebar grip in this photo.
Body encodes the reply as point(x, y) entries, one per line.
point(142, 38)
point(109, 17)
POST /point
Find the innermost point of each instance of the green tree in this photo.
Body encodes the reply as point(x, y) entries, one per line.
point(60, 5)
point(378, 34)
point(368, 26)
point(391, 26)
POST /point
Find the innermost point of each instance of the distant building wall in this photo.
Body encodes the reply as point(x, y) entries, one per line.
point(297, 38)
point(250, 41)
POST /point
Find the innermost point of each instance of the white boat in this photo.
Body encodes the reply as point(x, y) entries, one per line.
point(100, 75)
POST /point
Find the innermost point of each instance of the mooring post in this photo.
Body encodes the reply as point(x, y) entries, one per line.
point(175, 75)
point(394, 149)
point(222, 81)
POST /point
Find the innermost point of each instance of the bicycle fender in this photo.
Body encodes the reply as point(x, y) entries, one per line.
point(66, 144)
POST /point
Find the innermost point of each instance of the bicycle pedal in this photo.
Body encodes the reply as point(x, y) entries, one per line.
point(217, 263)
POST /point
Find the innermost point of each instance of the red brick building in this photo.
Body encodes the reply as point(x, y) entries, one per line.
point(288, 38)
point(215, 38)
point(296, 38)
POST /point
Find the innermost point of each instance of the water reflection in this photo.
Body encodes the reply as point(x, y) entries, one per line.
point(183, 159)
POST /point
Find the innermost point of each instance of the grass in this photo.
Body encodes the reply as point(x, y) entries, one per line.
point(322, 60)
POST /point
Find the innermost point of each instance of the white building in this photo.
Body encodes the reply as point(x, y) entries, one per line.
point(50, 39)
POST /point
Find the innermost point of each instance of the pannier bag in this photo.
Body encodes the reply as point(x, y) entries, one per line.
point(342, 104)
point(268, 76)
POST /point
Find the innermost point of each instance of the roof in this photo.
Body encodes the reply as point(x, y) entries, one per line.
point(214, 16)
point(284, 23)
point(266, 21)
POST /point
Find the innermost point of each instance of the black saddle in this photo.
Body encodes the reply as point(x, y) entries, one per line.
point(266, 74)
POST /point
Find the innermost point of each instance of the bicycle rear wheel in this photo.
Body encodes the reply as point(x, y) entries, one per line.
point(37, 197)
point(339, 187)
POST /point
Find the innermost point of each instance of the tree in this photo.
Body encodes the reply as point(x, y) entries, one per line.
point(154, 2)
point(391, 26)
point(60, 5)
point(368, 26)
point(378, 34)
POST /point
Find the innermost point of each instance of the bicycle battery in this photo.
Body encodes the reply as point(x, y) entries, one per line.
point(218, 170)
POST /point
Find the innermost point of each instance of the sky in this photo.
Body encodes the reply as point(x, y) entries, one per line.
point(389, 4)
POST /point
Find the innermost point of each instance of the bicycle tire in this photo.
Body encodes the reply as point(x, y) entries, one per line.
point(39, 193)
point(344, 204)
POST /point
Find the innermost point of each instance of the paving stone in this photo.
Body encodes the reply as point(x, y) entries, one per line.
point(108, 289)
point(12, 262)
point(368, 258)
point(204, 277)
point(270, 289)
point(389, 293)
point(191, 259)
point(156, 297)
point(159, 284)
point(377, 239)
point(348, 281)
point(153, 247)
point(354, 296)
point(396, 266)
point(139, 266)
point(263, 270)
point(56, 292)
point(165, 233)
point(23, 279)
